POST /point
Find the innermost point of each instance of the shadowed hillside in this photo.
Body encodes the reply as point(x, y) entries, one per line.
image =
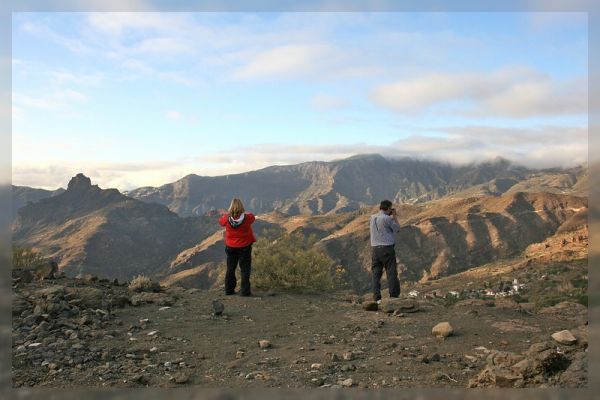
point(90, 230)
point(23, 195)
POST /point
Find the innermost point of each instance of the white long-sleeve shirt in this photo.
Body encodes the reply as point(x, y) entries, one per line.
point(383, 227)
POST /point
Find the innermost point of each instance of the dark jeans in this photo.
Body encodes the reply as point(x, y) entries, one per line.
point(243, 255)
point(384, 257)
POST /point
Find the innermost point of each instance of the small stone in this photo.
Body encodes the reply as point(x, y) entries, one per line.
point(443, 329)
point(316, 366)
point(181, 378)
point(564, 337)
point(218, 307)
point(240, 354)
point(347, 382)
point(317, 381)
point(264, 344)
point(348, 356)
point(408, 305)
point(164, 308)
point(370, 306)
point(152, 333)
point(153, 350)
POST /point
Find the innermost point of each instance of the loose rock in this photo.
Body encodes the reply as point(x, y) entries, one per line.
point(564, 337)
point(443, 329)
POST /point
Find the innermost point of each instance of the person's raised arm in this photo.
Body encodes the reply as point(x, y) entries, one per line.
point(251, 217)
point(223, 219)
point(394, 224)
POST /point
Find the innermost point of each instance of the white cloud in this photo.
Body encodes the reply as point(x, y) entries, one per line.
point(324, 102)
point(60, 77)
point(163, 45)
point(122, 175)
point(58, 99)
point(75, 45)
point(540, 147)
point(515, 92)
point(117, 23)
point(284, 61)
point(543, 146)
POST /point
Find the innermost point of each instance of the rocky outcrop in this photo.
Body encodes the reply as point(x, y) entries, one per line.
point(543, 365)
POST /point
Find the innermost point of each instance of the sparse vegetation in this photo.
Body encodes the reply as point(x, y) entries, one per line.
point(142, 283)
point(25, 258)
point(291, 263)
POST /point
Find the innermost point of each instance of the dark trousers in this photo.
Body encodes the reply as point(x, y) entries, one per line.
point(384, 257)
point(243, 255)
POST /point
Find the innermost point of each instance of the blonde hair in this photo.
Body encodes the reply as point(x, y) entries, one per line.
point(236, 208)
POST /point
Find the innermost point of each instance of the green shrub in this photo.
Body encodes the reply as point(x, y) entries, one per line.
point(24, 258)
point(292, 263)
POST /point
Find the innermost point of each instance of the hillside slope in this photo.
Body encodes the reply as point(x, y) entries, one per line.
point(90, 230)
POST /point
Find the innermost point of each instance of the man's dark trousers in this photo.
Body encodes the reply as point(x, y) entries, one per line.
point(384, 257)
point(243, 255)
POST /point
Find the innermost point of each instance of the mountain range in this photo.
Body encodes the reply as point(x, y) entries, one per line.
point(475, 214)
point(349, 184)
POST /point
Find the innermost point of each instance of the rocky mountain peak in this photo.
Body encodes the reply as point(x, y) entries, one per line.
point(79, 182)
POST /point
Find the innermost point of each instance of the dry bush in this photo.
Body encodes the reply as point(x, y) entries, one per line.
point(142, 283)
point(25, 258)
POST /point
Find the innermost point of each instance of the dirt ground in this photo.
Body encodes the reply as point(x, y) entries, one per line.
point(315, 340)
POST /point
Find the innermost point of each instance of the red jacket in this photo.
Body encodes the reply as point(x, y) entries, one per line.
point(240, 236)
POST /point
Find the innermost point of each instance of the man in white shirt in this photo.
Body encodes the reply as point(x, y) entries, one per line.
point(383, 227)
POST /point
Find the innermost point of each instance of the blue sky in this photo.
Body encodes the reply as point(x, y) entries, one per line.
point(134, 99)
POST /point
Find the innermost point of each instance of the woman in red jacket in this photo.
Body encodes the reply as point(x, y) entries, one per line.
point(238, 246)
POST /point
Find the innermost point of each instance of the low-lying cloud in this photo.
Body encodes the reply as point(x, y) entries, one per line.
point(513, 93)
point(537, 147)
